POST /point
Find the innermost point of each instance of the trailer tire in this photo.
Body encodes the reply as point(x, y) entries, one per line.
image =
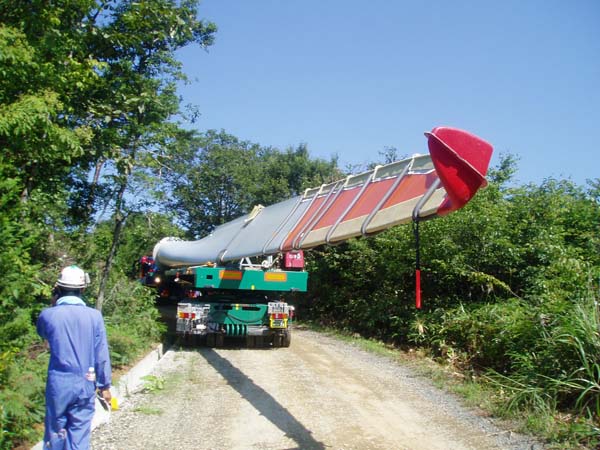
point(210, 340)
point(287, 338)
point(188, 340)
point(220, 340)
point(277, 340)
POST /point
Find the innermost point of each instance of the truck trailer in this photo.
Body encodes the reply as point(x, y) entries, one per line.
point(235, 301)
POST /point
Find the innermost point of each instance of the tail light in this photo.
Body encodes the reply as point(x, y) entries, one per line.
point(279, 316)
point(186, 315)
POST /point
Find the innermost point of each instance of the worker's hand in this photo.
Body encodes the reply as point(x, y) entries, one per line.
point(106, 395)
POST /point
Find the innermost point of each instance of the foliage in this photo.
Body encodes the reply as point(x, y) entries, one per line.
point(289, 172)
point(131, 318)
point(153, 383)
point(509, 288)
point(213, 181)
point(559, 373)
point(218, 178)
point(22, 378)
point(38, 69)
point(140, 233)
point(148, 410)
point(86, 88)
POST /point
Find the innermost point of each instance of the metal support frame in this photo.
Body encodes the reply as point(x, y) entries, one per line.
point(367, 221)
point(312, 200)
point(417, 209)
point(280, 227)
point(319, 213)
point(350, 206)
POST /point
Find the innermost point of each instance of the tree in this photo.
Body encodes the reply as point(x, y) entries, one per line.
point(137, 43)
point(213, 181)
point(85, 87)
point(219, 178)
point(288, 173)
point(42, 75)
point(44, 71)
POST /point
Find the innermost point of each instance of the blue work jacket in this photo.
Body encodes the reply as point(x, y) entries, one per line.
point(77, 339)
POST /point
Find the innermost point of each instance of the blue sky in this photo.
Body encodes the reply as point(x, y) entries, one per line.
point(350, 78)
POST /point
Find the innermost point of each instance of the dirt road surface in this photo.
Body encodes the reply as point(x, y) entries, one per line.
point(320, 393)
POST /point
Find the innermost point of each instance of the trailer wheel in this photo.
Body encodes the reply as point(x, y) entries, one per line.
point(210, 340)
point(259, 341)
point(188, 340)
point(287, 338)
point(277, 340)
point(220, 339)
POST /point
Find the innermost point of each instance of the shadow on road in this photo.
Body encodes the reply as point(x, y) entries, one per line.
point(262, 401)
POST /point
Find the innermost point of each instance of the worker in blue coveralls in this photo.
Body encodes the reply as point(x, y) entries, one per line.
point(79, 363)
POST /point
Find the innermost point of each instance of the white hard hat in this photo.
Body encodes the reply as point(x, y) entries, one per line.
point(73, 277)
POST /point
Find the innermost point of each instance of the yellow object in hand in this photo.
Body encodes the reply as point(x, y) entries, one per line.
point(114, 404)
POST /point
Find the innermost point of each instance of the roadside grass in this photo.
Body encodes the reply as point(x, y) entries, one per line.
point(165, 384)
point(148, 411)
point(156, 387)
point(558, 430)
point(153, 384)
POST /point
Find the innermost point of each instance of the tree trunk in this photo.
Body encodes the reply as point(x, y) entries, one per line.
point(119, 223)
point(89, 207)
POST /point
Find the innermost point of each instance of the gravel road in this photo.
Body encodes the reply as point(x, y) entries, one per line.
point(320, 393)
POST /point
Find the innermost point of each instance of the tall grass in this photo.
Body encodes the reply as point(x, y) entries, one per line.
point(561, 379)
point(543, 358)
point(582, 336)
point(132, 321)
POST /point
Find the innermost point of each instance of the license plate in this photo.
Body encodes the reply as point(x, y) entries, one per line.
point(278, 323)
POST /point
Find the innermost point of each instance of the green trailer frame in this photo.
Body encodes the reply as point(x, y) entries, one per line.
point(236, 303)
point(243, 279)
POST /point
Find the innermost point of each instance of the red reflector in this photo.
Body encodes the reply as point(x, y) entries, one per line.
point(279, 316)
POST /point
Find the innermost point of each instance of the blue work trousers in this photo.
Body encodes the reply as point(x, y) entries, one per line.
point(69, 411)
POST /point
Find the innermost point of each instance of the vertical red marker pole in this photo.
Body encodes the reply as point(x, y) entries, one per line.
point(418, 288)
point(417, 265)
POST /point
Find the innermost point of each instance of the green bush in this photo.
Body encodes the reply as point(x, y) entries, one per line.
point(509, 292)
point(124, 345)
point(131, 318)
point(484, 335)
point(22, 390)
